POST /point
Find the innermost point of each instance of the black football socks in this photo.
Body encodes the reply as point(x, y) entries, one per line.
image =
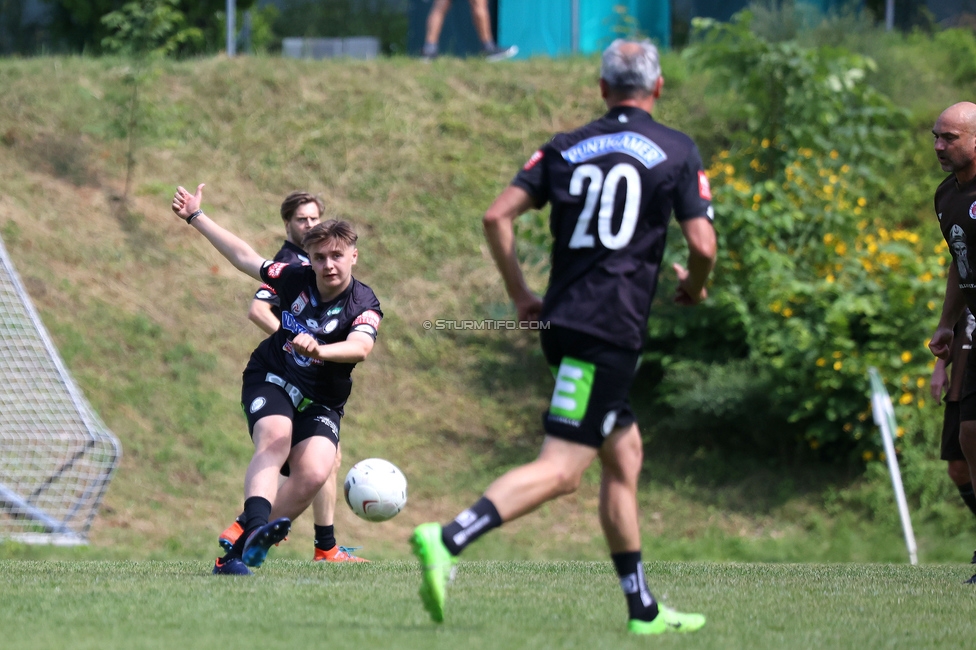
point(325, 537)
point(640, 601)
point(470, 525)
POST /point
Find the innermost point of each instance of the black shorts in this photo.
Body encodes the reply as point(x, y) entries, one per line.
point(951, 449)
point(967, 396)
point(593, 380)
point(260, 399)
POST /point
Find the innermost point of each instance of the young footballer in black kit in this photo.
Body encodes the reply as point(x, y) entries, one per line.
point(300, 212)
point(298, 379)
point(612, 186)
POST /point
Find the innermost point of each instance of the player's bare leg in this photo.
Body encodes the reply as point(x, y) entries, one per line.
point(557, 471)
point(311, 462)
point(621, 457)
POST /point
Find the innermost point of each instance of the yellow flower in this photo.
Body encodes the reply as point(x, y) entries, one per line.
point(756, 198)
point(776, 306)
point(921, 403)
point(834, 154)
point(828, 190)
point(837, 354)
point(821, 362)
point(765, 143)
point(787, 312)
point(930, 304)
point(857, 210)
point(841, 248)
point(838, 365)
point(829, 237)
point(899, 432)
point(861, 201)
point(906, 356)
point(867, 456)
point(833, 179)
point(906, 398)
point(844, 169)
point(830, 278)
point(920, 382)
point(848, 427)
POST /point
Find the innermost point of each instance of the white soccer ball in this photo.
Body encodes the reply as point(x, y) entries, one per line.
point(376, 489)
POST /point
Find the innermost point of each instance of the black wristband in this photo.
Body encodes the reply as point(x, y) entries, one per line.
point(193, 216)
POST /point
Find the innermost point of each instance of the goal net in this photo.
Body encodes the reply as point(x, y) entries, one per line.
point(56, 455)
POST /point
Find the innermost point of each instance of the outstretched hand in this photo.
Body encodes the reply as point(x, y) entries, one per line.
point(682, 294)
point(185, 204)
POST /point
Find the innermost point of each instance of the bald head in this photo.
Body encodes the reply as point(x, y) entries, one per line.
point(955, 140)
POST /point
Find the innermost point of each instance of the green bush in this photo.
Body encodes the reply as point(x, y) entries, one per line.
point(815, 283)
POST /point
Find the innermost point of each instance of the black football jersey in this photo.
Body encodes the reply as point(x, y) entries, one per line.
point(956, 208)
point(612, 185)
point(302, 311)
point(289, 254)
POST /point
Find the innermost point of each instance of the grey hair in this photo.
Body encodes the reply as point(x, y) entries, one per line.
point(633, 72)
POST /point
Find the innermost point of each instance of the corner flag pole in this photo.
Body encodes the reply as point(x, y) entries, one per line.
point(884, 417)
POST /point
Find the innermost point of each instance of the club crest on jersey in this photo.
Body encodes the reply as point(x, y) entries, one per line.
point(536, 157)
point(330, 326)
point(972, 211)
point(300, 302)
point(633, 144)
point(275, 269)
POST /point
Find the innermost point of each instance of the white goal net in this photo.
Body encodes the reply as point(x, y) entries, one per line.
point(56, 455)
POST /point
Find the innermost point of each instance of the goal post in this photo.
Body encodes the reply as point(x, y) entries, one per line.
point(884, 417)
point(56, 456)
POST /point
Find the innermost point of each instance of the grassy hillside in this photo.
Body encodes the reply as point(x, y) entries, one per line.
point(151, 320)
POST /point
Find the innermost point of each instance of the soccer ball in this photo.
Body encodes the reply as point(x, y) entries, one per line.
point(376, 489)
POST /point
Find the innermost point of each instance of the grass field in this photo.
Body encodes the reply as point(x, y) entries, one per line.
point(491, 605)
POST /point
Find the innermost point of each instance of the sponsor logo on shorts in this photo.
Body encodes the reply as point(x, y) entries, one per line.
point(536, 157)
point(257, 404)
point(972, 211)
point(331, 325)
point(609, 420)
point(327, 422)
point(632, 144)
point(704, 189)
point(263, 294)
point(275, 269)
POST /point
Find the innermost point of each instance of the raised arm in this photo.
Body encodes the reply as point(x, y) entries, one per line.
point(236, 250)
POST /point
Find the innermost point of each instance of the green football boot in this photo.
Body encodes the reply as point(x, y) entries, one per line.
point(437, 565)
point(667, 620)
